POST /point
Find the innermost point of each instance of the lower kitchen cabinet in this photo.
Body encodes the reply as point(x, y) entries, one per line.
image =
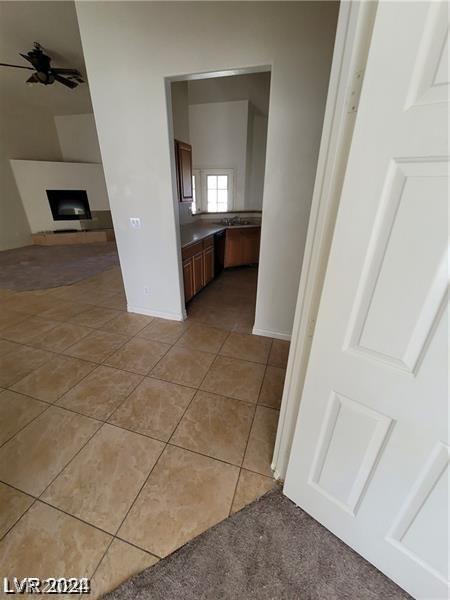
point(188, 277)
point(199, 279)
point(242, 246)
point(208, 263)
point(198, 266)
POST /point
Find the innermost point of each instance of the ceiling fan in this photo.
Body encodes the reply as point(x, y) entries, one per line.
point(43, 71)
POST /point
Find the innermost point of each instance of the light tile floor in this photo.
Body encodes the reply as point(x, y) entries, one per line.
point(122, 436)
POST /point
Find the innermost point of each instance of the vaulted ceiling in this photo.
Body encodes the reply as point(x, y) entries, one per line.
point(54, 25)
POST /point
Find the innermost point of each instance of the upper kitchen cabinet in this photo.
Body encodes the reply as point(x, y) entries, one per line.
point(183, 158)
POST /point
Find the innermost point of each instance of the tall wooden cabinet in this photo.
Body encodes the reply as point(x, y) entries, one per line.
point(183, 159)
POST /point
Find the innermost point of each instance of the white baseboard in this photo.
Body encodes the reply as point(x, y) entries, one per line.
point(273, 334)
point(276, 474)
point(155, 313)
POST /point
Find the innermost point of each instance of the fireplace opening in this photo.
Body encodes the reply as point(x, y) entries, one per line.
point(69, 205)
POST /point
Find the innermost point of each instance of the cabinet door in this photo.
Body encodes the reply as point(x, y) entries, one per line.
point(232, 248)
point(242, 246)
point(188, 276)
point(184, 171)
point(208, 265)
point(250, 245)
point(198, 272)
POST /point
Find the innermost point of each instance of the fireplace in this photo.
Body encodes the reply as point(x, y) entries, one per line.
point(69, 205)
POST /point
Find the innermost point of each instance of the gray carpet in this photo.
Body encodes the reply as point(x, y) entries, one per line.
point(38, 267)
point(269, 550)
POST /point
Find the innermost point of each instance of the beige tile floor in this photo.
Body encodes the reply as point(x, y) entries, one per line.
point(122, 436)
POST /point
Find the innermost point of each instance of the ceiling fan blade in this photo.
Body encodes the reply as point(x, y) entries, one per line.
point(72, 74)
point(16, 66)
point(26, 57)
point(32, 79)
point(66, 82)
point(66, 71)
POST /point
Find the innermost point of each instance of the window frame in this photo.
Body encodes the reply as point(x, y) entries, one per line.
point(196, 191)
point(201, 192)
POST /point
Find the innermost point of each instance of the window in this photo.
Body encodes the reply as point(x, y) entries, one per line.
point(195, 178)
point(212, 190)
point(217, 193)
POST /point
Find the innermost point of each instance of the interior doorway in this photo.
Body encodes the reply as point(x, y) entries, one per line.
point(220, 132)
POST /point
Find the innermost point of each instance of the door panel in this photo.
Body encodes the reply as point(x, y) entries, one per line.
point(184, 170)
point(208, 263)
point(188, 278)
point(370, 454)
point(409, 238)
point(198, 272)
point(232, 248)
point(341, 471)
point(250, 245)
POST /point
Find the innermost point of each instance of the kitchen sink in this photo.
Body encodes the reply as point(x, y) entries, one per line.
point(233, 222)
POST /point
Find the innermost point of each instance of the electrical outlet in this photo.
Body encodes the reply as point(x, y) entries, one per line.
point(135, 222)
point(147, 291)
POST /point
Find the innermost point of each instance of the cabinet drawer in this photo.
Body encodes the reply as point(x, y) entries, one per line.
point(191, 250)
point(208, 242)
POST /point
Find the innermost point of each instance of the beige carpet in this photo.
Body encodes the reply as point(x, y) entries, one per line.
point(269, 550)
point(38, 267)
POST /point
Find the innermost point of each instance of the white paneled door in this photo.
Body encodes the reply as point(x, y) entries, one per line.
point(370, 455)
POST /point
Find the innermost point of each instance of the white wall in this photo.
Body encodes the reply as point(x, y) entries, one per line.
point(256, 160)
point(29, 134)
point(127, 83)
point(253, 87)
point(180, 111)
point(77, 135)
point(218, 134)
point(33, 178)
point(180, 114)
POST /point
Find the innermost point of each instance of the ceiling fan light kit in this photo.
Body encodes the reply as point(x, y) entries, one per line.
point(44, 73)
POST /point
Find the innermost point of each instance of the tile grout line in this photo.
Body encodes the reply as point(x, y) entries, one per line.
point(70, 460)
point(50, 404)
point(197, 390)
point(37, 500)
point(150, 376)
point(114, 536)
point(107, 420)
point(74, 412)
point(250, 430)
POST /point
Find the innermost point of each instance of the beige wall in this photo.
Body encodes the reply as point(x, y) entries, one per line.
point(127, 83)
point(180, 111)
point(253, 87)
point(180, 116)
point(78, 139)
point(34, 177)
point(219, 141)
point(25, 135)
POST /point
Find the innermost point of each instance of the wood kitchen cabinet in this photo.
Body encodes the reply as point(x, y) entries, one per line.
point(242, 246)
point(188, 277)
point(208, 264)
point(198, 266)
point(183, 160)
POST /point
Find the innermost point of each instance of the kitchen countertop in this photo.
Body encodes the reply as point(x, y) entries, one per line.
point(194, 232)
